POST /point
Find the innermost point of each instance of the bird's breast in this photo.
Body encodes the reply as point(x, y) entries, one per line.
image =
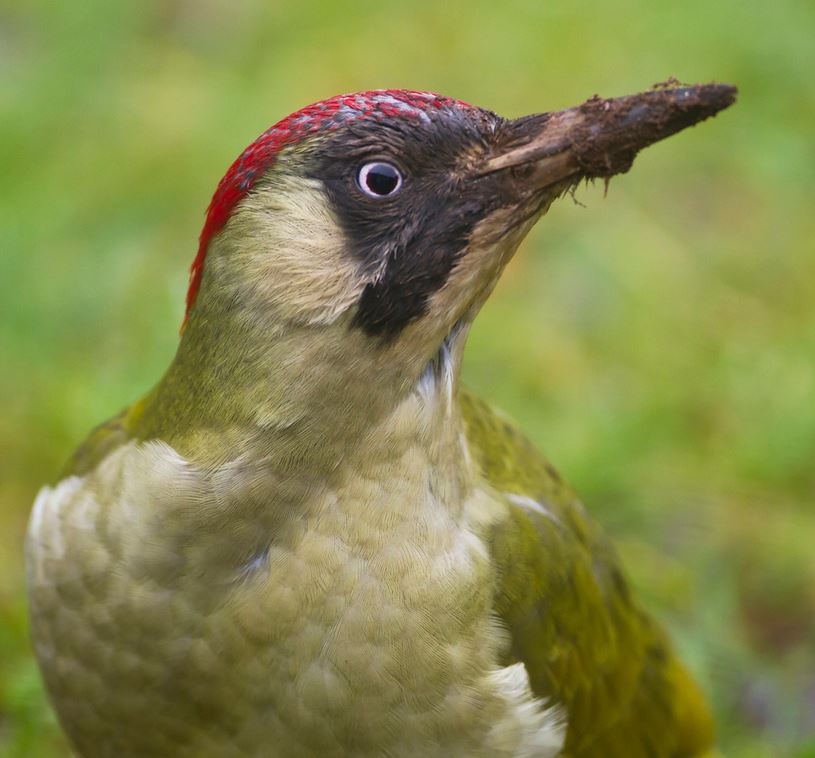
point(186, 613)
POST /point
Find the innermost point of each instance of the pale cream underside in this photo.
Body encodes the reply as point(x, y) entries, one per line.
point(250, 614)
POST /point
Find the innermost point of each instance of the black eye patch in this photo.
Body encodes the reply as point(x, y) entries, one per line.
point(398, 196)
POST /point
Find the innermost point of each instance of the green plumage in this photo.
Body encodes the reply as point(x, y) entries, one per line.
point(307, 539)
point(562, 595)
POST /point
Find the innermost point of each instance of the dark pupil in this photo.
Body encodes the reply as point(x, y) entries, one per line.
point(382, 179)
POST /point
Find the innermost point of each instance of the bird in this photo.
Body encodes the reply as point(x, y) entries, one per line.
point(310, 538)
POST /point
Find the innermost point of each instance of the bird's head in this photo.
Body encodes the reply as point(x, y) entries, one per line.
point(353, 238)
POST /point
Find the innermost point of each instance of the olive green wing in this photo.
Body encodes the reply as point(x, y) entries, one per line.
point(572, 620)
point(104, 439)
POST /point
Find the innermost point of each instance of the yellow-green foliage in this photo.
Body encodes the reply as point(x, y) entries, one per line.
point(659, 345)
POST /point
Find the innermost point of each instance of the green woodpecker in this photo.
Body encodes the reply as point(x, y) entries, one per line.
point(308, 539)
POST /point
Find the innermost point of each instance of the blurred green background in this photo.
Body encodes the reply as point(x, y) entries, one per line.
point(659, 344)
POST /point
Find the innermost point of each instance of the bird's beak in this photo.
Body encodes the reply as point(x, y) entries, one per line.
point(600, 138)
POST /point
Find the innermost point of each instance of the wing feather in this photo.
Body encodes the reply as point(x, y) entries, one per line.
point(573, 622)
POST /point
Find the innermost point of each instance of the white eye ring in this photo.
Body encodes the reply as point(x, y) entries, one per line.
point(379, 179)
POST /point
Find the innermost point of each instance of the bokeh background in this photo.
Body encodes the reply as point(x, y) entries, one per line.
point(659, 343)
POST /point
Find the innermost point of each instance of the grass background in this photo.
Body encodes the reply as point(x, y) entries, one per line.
point(658, 344)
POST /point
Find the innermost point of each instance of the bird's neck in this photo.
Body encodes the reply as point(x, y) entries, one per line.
point(302, 403)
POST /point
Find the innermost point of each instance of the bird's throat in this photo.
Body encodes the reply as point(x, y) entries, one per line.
point(441, 373)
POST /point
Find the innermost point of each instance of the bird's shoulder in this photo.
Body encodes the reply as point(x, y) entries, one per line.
point(103, 439)
point(570, 613)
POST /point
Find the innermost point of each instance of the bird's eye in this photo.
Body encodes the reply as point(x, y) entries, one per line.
point(379, 179)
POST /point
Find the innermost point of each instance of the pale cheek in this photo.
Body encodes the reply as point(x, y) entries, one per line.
point(284, 251)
